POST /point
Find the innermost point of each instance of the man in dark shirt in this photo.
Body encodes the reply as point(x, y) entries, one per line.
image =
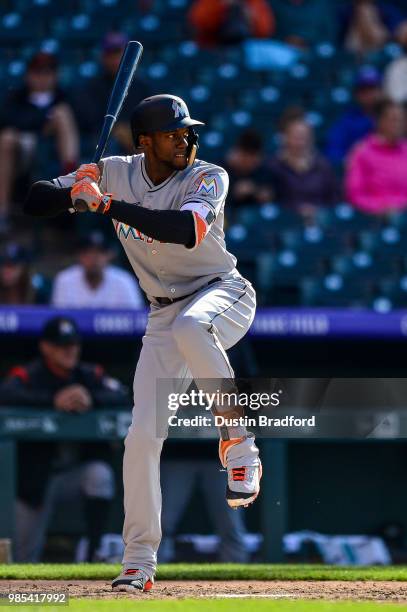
point(37, 110)
point(59, 380)
point(359, 119)
point(248, 174)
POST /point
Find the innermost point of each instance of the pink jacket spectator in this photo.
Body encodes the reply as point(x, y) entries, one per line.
point(376, 175)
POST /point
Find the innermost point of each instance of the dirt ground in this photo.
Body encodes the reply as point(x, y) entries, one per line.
point(329, 590)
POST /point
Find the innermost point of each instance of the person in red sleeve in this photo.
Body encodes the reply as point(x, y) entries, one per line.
point(50, 472)
point(223, 22)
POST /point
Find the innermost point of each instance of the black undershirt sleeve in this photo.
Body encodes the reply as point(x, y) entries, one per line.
point(174, 226)
point(47, 200)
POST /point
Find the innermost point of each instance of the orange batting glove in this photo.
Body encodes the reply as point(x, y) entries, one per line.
point(88, 170)
point(90, 197)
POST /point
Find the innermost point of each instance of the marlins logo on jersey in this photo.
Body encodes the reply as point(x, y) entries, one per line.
point(207, 185)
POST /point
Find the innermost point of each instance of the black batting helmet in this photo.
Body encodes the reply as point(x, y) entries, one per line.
point(162, 113)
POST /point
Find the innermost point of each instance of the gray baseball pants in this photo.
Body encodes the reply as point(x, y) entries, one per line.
point(184, 340)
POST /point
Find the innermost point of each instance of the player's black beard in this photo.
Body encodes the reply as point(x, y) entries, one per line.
point(163, 168)
point(174, 167)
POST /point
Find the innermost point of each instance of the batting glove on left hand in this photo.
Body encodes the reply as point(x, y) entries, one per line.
point(88, 191)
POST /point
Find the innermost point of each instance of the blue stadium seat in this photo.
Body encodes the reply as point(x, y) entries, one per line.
point(313, 240)
point(14, 73)
point(364, 264)
point(336, 291)
point(46, 9)
point(345, 220)
point(246, 244)
point(269, 217)
point(398, 219)
point(381, 304)
point(212, 144)
point(16, 29)
point(278, 275)
point(388, 242)
point(108, 9)
point(152, 29)
point(395, 290)
point(79, 29)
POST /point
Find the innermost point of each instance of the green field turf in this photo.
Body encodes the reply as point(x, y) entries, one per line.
point(193, 605)
point(218, 571)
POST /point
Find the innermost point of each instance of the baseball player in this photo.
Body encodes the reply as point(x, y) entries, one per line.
point(168, 210)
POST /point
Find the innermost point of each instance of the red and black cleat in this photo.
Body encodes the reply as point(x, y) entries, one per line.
point(131, 580)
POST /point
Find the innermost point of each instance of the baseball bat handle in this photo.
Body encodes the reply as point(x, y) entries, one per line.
point(108, 123)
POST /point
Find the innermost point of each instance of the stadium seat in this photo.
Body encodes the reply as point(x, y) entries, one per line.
point(395, 290)
point(336, 291)
point(398, 219)
point(245, 244)
point(314, 241)
point(16, 29)
point(269, 217)
point(347, 222)
point(108, 9)
point(387, 243)
point(77, 30)
point(46, 9)
point(365, 265)
point(278, 276)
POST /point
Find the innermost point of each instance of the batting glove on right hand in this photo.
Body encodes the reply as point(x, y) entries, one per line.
point(86, 195)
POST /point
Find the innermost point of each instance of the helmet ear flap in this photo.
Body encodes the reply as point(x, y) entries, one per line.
point(193, 145)
point(134, 132)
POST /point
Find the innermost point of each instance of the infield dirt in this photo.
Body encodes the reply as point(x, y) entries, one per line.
point(328, 590)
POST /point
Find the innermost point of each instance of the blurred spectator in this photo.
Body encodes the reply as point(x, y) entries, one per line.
point(301, 177)
point(248, 174)
point(358, 120)
point(304, 23)
point(368, 24)
point(91, 99)
point(376, 177)
point(395, 78)
point(178, 482)
point(59, 380)
point(17, 284)
point(37, 110)
point(93, 282)
point(228, 22)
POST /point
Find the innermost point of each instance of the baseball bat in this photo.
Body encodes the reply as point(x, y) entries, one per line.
point(124, 77)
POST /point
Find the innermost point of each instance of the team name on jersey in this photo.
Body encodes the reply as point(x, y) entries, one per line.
point(125, 231)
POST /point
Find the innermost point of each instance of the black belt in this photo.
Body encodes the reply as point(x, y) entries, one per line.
point(164, 301)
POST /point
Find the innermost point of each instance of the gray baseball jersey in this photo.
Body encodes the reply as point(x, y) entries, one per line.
point(165, 269)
